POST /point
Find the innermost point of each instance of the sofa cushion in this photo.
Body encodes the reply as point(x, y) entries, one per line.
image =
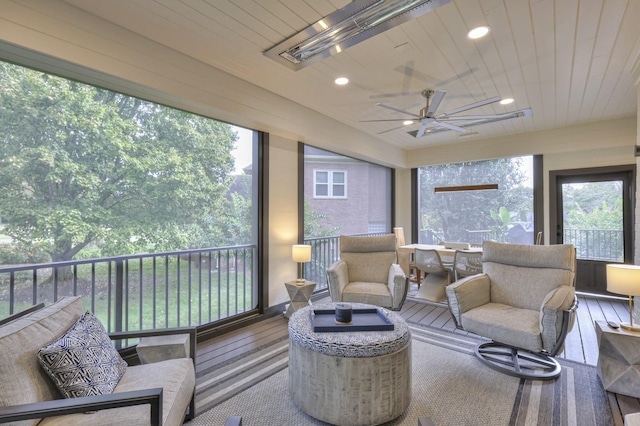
point(83, 361)
point(22, 379)
point(175, 376)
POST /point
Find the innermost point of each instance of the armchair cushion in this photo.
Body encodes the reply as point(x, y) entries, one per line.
point(175, 376)
point(512, 285)
point(365, 292)
point(83, 361)
point(23, 380)
point(506, 324)
point(371, 267)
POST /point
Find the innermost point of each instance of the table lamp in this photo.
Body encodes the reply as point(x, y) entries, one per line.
point(300, 253)
point(625, 279)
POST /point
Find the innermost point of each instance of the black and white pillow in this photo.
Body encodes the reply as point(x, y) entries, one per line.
point(83, 361)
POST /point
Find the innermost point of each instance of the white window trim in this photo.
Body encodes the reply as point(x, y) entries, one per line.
point(329, 184)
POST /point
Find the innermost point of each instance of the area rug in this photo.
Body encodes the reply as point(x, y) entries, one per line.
point(449, 385)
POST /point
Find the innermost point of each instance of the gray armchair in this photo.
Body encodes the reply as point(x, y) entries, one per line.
point(524, 301)
point(367, 272)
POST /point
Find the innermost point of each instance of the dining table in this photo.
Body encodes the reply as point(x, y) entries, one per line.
point(406, 252)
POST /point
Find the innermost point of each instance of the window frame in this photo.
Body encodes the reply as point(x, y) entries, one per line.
point(330, 184)
point(260, 162)
point(538, 190)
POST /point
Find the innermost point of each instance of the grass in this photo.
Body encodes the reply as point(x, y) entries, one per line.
point(169, 294)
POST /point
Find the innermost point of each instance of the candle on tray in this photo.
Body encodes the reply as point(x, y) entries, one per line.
point(343, 313)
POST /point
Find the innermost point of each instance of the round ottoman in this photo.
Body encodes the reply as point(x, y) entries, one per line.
point(349, 378)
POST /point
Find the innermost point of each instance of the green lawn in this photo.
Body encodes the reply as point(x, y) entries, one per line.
point(181, 297)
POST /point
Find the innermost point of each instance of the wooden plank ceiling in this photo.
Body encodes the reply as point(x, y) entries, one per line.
point(569, 60)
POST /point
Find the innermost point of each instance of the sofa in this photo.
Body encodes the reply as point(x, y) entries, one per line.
point(157, 393)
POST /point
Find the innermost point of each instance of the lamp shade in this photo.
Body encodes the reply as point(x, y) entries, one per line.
point(301, 253)
point(623, 279)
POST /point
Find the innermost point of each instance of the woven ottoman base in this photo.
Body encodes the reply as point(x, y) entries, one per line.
point(350, 391)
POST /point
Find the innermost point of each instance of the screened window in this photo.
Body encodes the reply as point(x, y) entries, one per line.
point(330, 183)
point(452, 208)
point(88, 173)
point(332, 209)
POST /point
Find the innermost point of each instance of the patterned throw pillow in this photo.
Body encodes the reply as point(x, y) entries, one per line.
point(83, 361)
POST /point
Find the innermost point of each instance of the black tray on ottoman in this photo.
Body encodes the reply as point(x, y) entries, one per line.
point(369, 319)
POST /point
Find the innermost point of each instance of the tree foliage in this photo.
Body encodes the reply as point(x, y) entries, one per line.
point(453, 213)
point(81, 164)
point(595, 205)
point(315, 223)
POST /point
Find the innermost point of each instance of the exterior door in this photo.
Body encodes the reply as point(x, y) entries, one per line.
point(594, 212)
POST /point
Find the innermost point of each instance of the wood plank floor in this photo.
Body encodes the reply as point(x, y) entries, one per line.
point(580, 346)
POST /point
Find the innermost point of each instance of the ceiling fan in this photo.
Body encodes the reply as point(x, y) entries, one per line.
point(433, 122)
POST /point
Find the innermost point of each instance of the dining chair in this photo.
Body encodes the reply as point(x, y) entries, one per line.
point(437, 275)
point(412, 272)
point(467, 263)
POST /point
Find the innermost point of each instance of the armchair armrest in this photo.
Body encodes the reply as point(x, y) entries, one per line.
point(468, 293)
point(59, 407)
point(398, 286)
point(337, 278)
point(556, 317)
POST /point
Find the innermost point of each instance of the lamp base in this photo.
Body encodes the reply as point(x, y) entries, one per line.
point(630, 327)
point(300, 281)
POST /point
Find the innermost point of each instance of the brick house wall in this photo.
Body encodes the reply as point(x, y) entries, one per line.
point(366, 205)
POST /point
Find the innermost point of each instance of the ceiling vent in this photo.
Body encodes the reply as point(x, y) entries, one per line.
point(346, 27)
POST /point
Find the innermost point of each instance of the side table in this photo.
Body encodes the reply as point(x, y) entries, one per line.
point(618, 359)
point(161, 348)
point(299, 295)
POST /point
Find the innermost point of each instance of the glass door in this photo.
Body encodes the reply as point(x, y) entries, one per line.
point(594, 213)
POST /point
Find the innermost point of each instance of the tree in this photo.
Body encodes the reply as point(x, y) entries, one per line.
point(453, 213)
point(313, 223)
point(595, 205)
point(81, 164)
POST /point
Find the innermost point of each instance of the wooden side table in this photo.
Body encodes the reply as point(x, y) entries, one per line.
point(299, 295)
point(618, 359)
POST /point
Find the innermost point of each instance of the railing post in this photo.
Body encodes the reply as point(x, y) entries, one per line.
point(119, 295)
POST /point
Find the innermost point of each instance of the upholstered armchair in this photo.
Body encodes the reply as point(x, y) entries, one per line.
point(367, 272)
point(524, 301)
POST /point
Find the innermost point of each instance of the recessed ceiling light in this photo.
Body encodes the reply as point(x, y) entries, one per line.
point(341, 81)
point(478, 32)
point(407, 122)
point(506, 101)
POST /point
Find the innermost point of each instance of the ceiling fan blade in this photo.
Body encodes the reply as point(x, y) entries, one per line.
point(398, 110)
point(473, 105)
point(389, 130)
point(468, 117)
point(421, 130)
point(511, 114)
point(390, 119)
point(450, 126)
point(394, 95)
point(434, 103)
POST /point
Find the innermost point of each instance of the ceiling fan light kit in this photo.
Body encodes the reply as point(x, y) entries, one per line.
point(346, 27)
